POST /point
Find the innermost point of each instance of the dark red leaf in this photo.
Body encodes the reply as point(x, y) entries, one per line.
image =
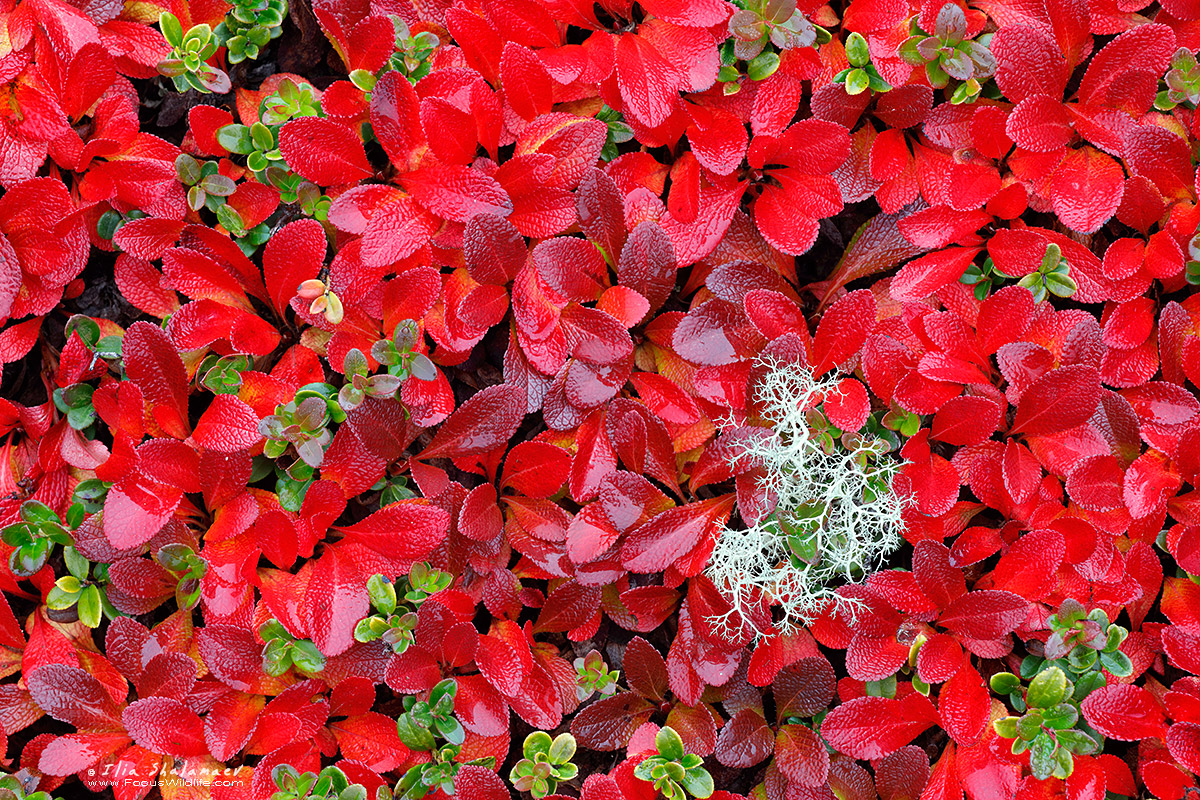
point(745, 740)
point(484, 422)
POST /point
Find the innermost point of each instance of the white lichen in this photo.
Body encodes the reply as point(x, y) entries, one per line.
point(837, 517)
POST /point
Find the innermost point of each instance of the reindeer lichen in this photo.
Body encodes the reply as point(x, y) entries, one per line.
point(836, 517)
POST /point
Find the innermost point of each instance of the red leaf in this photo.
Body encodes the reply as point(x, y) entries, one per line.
point(1097, 483)
point(1161, 156)
point(872, 727)
point(1022, 472)
point(590, 534)
point(1040, 123)
point(966, 420)
point(165, 725)
point(568, 607)
point(396, 120)
point(536, 469)
point(718, 139)
point(843, 330)
point(324, 151)
point(572, 267)
point(646, 670)
point(486, 421)
point(647, 264)
point(941, 582)
point(1124, 712)
point(227, 426)
point(1004, 317)
point(787, 215)
point(135, 510)
point(17, 340)
point(1161, 403)
point(148, 237)
point(801, 755)
point(805, 688)
point(648, 82)
point(1183, 742)
point(940, 226)
point(964, 705)
point(370, 739)
point(1124, 75)
point(943, 783)
point(75, 752)
point(1059, 400)
point(903, 774)
point(152, 363)
point(457, 193)
point(231, 723)
point(527, 85)
point(493, 249)
point(294, 253)
point(337, 600)
point(984, 615)
point(1030, 566)
point(397, 230)
point(1028, 61)
point(673, 534)
point(425, 527)
point(1086, 189)
point(924, 276)
point(479, 783)
point(480, 707)
point(849, 406)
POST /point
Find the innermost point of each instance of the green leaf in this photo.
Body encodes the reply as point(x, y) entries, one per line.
point(1041, 757)
point(763, 66)
point(1006, 728)
point(262, 136)
point(563, 749)
point(698, 783)
point(107, 225)
point(1005, 683)
point(857, 51)
point(38, 513)
point(231, 220)
point(669, 745)
point(58, 600)
point(537, 743)
point(857, 82)
point(1061, 716)
point(89, 606)
point(236, 139)
point(172, 30)
point(1117, 663)
point(77, 564)
point(443, 689)
point(1048, 688)
point(414, 736)
point(307, 657)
